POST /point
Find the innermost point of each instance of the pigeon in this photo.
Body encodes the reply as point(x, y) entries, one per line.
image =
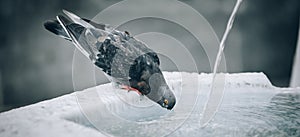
point(126, 61)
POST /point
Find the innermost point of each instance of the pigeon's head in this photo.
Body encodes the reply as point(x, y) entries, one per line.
point(168, 99)
point(160, 92)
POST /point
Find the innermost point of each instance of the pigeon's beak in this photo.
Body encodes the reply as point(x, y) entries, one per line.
point(160, 92)
point(168, 99)
point(170, 105)
point(167, 103)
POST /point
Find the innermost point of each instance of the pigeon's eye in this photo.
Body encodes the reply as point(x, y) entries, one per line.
point(166, 101)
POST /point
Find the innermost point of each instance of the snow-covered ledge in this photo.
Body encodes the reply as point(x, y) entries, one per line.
point(62, 117)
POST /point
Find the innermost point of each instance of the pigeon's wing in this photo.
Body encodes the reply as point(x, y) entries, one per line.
point(74, 31)
point(87, 23)
point(96, 25)
point(55, 27)
point(105, 49)
point(76, 19)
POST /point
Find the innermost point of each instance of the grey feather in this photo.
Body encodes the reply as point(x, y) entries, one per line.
point(126, 60)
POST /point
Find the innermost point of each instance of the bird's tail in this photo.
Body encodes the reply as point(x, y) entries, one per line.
point(54, 27)
point(72, 28)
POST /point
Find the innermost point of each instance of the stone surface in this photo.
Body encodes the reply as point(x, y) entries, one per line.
point(62, 116)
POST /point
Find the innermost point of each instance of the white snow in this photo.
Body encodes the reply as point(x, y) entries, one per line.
point(62, 116)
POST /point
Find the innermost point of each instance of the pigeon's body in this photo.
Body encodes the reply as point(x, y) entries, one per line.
point(126, 61)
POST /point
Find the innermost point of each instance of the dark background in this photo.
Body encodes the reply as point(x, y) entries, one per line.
point(36, 65)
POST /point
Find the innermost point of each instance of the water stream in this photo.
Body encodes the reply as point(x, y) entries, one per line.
point(217, 90)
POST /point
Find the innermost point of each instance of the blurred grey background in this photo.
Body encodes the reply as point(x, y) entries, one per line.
point(36, 65)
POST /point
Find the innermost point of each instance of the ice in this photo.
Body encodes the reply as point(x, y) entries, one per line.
point(251, 106)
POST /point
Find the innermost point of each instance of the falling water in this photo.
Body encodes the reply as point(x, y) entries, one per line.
point(217, 91)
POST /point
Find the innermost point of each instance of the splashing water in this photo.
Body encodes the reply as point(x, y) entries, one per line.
point(217, 89)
